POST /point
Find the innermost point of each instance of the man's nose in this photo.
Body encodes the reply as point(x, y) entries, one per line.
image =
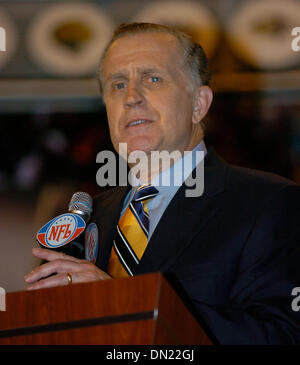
point(133, 97)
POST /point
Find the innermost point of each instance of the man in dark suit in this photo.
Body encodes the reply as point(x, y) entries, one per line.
point(233, 252)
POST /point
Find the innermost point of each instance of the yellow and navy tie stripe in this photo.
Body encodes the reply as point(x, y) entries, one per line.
point(132, 234)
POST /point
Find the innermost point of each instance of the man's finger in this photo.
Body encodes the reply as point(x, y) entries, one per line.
point(51, 255)
point(56, 280)
point(52, 267)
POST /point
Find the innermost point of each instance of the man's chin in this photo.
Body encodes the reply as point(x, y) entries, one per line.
point(135, 145)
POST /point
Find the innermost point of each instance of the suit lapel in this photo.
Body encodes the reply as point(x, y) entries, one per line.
point(183, 218)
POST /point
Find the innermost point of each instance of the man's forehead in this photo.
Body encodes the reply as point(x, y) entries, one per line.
point(154, 49)
point(143, 70)
point(143, 41)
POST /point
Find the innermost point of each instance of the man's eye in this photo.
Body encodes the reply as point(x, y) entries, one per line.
point(119, 85)
point(154, 79)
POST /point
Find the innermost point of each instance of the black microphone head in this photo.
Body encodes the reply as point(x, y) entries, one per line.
point(81, 204)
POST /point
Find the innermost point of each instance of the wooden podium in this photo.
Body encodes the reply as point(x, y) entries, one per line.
point(141, 310)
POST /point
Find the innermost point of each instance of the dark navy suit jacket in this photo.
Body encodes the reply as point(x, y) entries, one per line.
point(233, 254)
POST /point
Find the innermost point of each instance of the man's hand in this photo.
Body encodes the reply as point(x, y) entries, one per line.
point(61, 264)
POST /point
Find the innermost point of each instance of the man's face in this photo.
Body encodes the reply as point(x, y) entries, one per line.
point(148, 94)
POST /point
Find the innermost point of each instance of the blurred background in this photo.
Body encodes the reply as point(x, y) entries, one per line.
point(53, 122)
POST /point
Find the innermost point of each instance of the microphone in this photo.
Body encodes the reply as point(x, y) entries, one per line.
point(81, 204)
point(59, 233)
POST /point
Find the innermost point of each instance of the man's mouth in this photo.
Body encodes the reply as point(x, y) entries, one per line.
point(138, 122)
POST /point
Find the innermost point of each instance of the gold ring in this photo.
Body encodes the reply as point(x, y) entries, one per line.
point(69, 277)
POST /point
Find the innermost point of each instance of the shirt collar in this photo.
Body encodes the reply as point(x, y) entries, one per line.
point(175, 175)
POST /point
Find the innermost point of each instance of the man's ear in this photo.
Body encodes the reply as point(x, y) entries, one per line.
point(202, 101)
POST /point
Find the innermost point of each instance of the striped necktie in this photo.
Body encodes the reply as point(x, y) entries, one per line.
point(132, 234)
